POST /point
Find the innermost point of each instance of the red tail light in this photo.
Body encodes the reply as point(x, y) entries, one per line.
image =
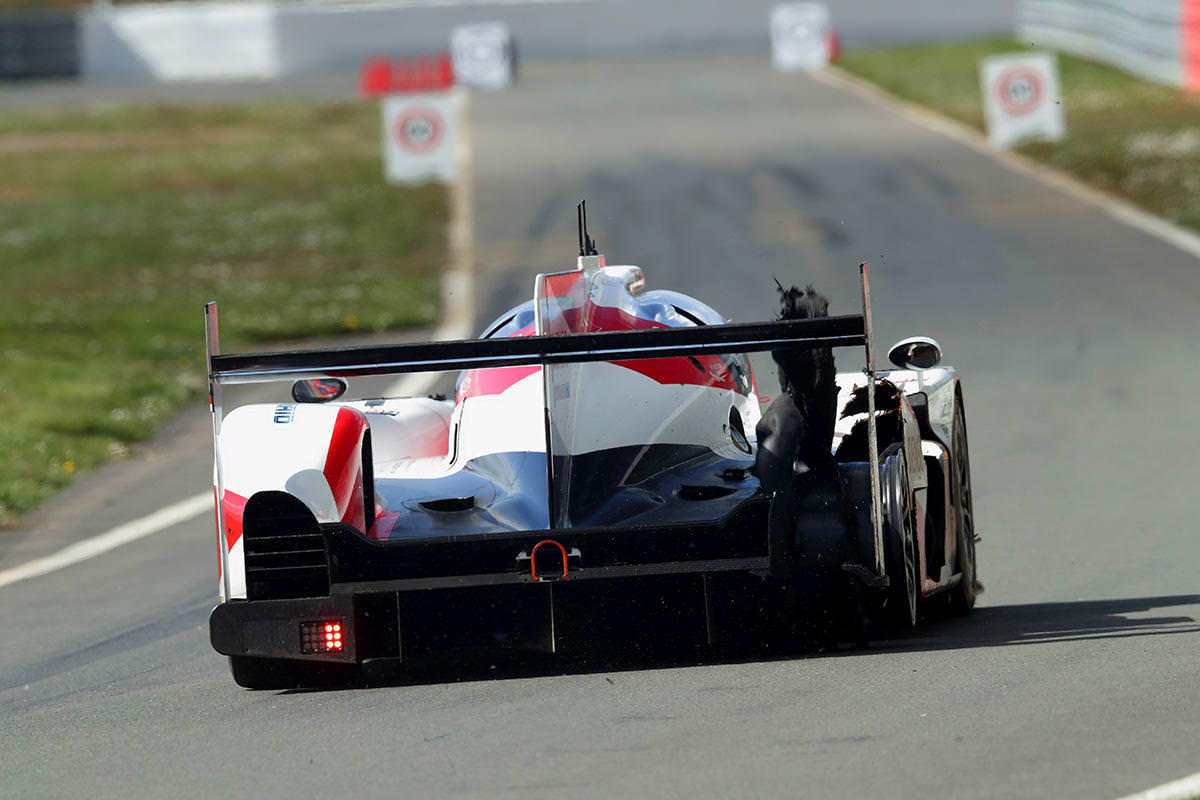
point(322, 636)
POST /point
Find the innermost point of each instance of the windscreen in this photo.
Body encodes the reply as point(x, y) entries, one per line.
point(561, 307)
point(615, 430)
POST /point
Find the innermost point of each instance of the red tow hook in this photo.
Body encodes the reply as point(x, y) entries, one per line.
point(565, 557)
point(533, 560)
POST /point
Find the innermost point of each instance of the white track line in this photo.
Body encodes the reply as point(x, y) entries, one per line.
point(1122, 210)
point(122, 534)
point(458, 305)
point(1182, 789)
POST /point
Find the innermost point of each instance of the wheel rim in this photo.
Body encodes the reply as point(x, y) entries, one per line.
point(910, 554)
point(899, 512)
point(966, 512)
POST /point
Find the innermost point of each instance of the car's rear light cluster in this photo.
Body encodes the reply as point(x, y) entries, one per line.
point(324, 636)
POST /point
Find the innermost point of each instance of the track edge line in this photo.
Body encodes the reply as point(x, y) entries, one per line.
point(127, 532)
point(1182, 789)
point(1116, 207)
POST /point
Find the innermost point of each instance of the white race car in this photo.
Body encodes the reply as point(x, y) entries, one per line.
point(603, 477)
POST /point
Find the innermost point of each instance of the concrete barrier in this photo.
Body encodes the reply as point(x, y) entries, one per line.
point(180, 41)
point(1155, 39)
point(311, 37)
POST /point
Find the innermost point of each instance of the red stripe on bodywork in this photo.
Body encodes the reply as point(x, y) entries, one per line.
point(701, 370)
point(343, 466)
point(480, 382)
point(384, 522)
point(217, 527)
point(233, 507)
point(563, 284)
point(1190, 33)
point(695, 371)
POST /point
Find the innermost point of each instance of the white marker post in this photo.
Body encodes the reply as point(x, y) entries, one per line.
point(1022, 98)
point(483, 55)
point(419, 134)
point(802, 36)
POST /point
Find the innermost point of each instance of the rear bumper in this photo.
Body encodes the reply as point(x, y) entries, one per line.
point(689, 603)
point(548, 591)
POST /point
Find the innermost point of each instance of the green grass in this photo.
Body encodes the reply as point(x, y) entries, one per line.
point(1135, 139)
point(117, 224)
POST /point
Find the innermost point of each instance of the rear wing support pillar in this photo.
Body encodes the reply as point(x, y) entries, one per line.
point(212, 343)
point(872, 436)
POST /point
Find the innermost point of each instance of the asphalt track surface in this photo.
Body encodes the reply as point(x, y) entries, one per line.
point(1076, 675)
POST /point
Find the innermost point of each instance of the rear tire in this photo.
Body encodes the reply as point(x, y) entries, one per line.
point(962, 598)
point(899, 530)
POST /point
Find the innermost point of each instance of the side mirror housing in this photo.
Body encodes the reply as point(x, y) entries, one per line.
point(916, 352)
point(319, 390)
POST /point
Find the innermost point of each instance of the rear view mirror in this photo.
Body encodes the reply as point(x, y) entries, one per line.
point(916, 352)
point(319, 390)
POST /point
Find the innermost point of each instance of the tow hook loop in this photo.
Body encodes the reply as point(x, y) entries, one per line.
point(555, 562)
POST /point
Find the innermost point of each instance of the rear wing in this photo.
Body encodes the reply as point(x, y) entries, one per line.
point(345, 362)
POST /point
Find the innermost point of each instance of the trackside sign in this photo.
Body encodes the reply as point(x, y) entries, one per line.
point(1022, 98)
point(483, 55)
point(419, 136)
point(801, 36)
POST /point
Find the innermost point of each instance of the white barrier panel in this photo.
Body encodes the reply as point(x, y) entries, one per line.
point(483, 55)
point(801, 36)
point(1022, 98)
point(1149, 38)
point(420, 136)
point(181, 41)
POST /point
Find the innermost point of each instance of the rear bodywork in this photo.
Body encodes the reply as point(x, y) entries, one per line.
point(591, 482)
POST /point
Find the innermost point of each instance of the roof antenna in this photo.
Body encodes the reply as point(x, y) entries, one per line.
point(587, 245)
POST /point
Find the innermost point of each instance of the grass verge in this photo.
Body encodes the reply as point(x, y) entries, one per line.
point(1126, 136)
point(118, 223)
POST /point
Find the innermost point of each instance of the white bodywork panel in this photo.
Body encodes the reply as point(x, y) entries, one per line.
point(280, 448)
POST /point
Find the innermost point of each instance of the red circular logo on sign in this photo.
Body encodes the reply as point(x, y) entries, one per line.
point(419, 129)
point(1019, 90)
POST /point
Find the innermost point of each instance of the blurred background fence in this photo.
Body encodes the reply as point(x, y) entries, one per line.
point(1156, 39)
point(263, 39)
point(38, 45)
